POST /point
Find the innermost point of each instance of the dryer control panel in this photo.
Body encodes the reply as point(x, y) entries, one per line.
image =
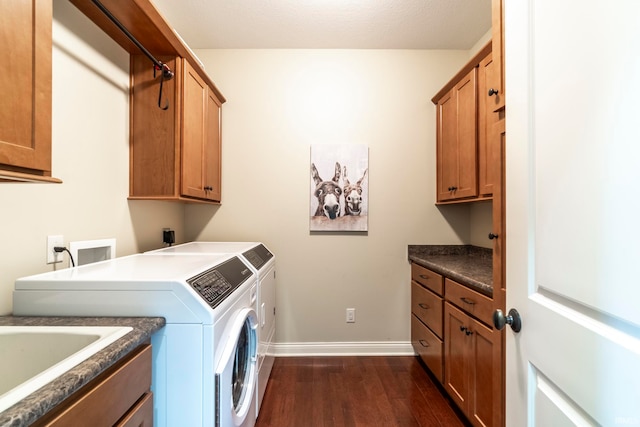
point(258, 256)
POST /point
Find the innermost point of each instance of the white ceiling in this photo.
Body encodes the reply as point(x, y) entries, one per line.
point(334, 24)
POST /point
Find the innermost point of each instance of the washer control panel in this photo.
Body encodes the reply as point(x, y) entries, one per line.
point(215, 284)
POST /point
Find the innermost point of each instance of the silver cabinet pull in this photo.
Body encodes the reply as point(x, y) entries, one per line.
point(467, 301)
point(424, 306)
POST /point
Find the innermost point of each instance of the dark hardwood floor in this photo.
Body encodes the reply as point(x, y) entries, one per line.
point(366, 391)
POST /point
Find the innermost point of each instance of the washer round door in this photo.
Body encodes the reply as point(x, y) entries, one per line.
point(236, 372)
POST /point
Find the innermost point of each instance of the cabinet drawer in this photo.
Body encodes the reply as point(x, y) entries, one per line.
point(104, 401)
point(428, 346)
point(140, 415)
point(427, 306)
point(427, 278)
point(470, 301)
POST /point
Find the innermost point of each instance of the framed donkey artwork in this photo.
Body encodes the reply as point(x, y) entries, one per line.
point(339, 188)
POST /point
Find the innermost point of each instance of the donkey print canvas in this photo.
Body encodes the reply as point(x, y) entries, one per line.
point(337, 203)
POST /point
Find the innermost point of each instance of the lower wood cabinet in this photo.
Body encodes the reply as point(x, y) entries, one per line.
point(120, 397)
point(451, 332)
point(470, 375)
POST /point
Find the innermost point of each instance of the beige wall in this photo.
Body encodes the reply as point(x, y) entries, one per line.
point(280, 102)
point(90, 154)
point(486, 38)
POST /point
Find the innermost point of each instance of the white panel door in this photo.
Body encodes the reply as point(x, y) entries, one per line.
point(573, 212)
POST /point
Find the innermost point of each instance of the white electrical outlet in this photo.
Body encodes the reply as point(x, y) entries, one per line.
point(52, 256)
point(351, 315)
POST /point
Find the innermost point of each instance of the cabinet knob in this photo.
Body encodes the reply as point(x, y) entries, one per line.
point(492, 236)
point(493, 91)
point(452, 188)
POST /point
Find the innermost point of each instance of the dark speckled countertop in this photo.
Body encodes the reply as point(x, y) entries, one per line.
point(466, 264)
point(28, 410)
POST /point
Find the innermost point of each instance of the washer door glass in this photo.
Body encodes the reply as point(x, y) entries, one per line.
point(242, 365)
point(236, 371)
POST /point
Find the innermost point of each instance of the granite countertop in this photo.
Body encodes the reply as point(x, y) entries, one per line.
point(468, 265)
point(46, 398)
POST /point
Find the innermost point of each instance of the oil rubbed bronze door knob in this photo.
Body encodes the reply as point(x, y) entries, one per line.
point(512, 319)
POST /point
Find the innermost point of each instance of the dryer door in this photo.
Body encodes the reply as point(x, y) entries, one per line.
point(236, 372)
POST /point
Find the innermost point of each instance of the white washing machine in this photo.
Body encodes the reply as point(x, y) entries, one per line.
point(204, 359)
point(263, 263)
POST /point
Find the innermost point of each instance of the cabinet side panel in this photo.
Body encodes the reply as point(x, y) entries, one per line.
point(153, 130)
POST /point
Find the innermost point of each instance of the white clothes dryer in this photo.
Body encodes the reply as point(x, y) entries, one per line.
point(263, 263)
point(204, 370)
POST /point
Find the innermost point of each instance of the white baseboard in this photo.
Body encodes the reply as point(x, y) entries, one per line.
point(382, 348)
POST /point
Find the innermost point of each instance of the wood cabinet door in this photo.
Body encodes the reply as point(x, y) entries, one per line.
point(456, 355)
point(25, 85)
point(497, 49)
point(456, 141)
point(193, 133)
point(473, 367)
point(200, 149)
point(213, 148)
point(447, 151)
point(485, 375)
point(466, 96)
point(489, 165)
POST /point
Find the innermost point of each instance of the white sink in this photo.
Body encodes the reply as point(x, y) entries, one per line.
point(33, 356)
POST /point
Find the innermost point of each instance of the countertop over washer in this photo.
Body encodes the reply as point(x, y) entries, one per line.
point(46, 398)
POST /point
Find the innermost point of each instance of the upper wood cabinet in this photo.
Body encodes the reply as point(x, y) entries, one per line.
point(25, 84)
point(201, 157)
point(456, 140)
point(174, 153)
point(468, 160)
